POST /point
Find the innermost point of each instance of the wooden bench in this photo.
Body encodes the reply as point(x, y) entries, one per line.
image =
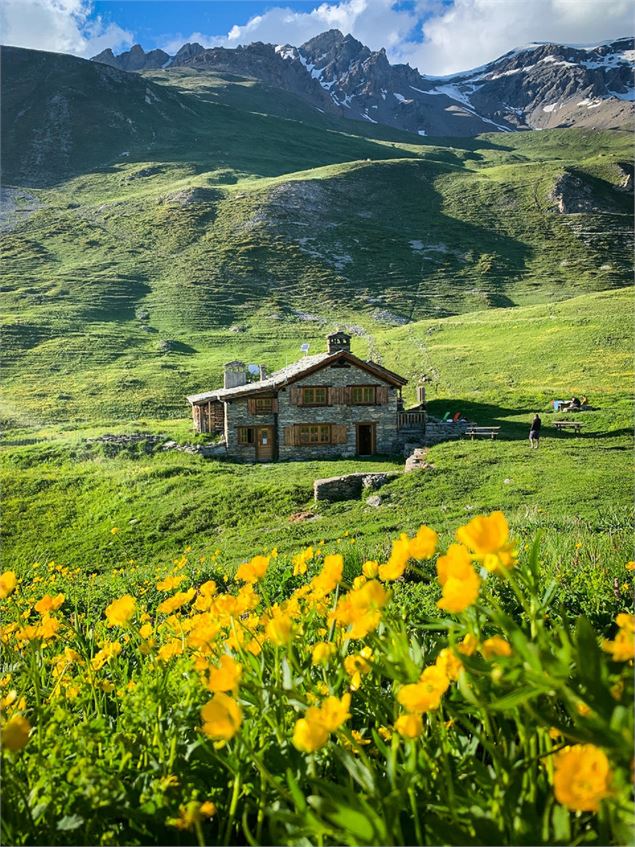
point(482, 432)
point(564, 425)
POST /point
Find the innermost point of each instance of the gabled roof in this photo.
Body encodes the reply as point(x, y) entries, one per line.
point(291, 373)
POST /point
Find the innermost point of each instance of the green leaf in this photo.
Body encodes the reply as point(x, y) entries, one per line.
point(69, 823)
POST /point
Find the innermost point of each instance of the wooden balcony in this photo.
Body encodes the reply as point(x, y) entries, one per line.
point(411, 420)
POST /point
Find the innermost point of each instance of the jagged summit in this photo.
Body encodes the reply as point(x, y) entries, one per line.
point(541, 85)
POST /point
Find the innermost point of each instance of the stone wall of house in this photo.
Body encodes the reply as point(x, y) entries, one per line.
point(384, 416)
point(237, 414)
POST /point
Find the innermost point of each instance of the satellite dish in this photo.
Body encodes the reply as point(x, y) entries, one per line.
point(305, 348)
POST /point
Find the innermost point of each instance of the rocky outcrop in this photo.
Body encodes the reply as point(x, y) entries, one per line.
point(135, 59)
point(417, 461)
point(349, 487)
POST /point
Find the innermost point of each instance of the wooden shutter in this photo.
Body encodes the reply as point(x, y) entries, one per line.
point(251, 405)
point(295, 395)
point(290, 435)
point(381, 394)
point(339, 433)
point(335, 395)
point(346, 395)
point(274, 404)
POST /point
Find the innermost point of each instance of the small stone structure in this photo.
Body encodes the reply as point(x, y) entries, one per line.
point(349, 487)
point(417, 461)
point(438, 430)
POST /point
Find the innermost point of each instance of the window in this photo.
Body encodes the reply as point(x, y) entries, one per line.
point(363, 395)
point(263, 404)
point(245, 435)
point(315, 433)
point(315, 396)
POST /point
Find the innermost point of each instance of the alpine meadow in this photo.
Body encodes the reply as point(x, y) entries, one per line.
point(282, 563)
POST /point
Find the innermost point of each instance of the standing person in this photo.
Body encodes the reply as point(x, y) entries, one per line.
point(534, 432)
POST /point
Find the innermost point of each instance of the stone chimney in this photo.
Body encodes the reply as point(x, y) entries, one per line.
point(421, 395)
point(338, 341)
point(235, 374)
point(263, 372)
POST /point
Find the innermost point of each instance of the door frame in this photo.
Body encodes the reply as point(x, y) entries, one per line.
point(373, 437)
point(271, 454)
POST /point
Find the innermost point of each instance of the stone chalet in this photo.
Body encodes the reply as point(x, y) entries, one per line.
point(324, 406)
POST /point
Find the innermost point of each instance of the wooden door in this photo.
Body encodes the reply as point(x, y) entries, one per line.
point(264, 443)
point(365, 439)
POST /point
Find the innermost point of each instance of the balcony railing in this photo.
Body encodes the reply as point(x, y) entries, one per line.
point(411, 420)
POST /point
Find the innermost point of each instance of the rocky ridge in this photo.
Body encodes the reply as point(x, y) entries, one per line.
point(535, 87)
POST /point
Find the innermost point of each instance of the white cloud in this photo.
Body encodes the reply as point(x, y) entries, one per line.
point(469, 33)
point(376, 23)
point(455, 36)
point(64, 26)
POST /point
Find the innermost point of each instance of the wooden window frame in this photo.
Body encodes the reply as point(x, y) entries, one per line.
point(314, 388)
point(268, 405)
point(246, 431)
point(363, 388)
point(322, 430)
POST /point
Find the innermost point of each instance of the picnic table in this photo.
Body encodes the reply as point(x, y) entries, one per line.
point(568, 425)
point(482, 432)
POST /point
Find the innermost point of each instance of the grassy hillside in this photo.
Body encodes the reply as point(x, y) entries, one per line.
point(179, 242)
point(64, 494)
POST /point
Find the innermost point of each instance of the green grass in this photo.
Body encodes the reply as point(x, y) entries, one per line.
point(64, 494)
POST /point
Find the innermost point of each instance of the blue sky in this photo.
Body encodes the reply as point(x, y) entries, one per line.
point(437, 36)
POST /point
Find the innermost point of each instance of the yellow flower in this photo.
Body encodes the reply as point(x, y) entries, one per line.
point(460, 582)
point(181, 598)
point(119, 612)
point(449, 664)
point(227, 676)
point(399, 556)
point(360, 609)
point(329, 577)
point(495, 646)
point(424, 543)
point(487, 537)
point(254, 570)
point(582, 777)
point(334, 711)
point(322, 652)
point(170, 582)
point(468, 645)
point(409, 726)
point(192, 813)
point(15, 732)
point(146, 630)
point(385, 733)
point(300, 561)
point(425, 695)
point(622, 649)
point(171, 648)
point(279, 627)
point(222, 717)
point(309, 735)
point(109, 650)
point(355, 666)
point(370, 569)
point(630, 566)
point(8, 582)
point(114, 530)
point(48, 603)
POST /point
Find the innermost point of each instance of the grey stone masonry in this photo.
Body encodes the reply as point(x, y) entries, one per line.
point(382, 415)
point(438, 430)
point(349, 487)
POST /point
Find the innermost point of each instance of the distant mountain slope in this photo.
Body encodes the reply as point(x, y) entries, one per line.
point(539, 86)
